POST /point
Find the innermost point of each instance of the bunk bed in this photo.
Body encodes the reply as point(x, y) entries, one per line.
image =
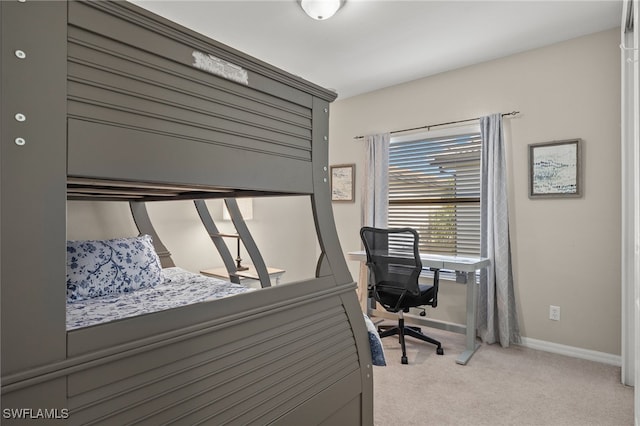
point(107, 101)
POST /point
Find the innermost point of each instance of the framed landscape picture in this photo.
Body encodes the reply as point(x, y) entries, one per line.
point(555, 169)
point(343, 182)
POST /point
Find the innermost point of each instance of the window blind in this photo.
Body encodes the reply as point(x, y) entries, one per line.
point(434, 187)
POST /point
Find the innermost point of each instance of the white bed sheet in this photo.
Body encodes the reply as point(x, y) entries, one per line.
point(180, 288)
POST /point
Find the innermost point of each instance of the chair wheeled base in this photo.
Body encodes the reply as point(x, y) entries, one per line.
point(403, 330)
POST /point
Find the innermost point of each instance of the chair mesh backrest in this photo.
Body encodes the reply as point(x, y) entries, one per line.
point(394, 262)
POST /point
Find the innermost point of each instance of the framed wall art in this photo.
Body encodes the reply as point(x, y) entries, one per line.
point(555, 169)
point(343, 182)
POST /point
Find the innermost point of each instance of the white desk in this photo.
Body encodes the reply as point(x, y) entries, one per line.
point(463, 264)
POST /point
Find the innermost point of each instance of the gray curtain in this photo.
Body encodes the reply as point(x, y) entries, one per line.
point(375, 190)
point(497, 319)
point(375, 196)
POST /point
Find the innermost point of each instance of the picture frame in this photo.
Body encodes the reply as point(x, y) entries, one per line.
point(343, 182)
point(555, 169)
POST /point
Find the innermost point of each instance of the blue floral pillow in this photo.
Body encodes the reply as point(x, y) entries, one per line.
point(377, 351)
point(99, 267)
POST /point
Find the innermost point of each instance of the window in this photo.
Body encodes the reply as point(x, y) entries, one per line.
point(434, 187)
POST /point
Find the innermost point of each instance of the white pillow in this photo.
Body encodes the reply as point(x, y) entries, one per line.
point(99, 267)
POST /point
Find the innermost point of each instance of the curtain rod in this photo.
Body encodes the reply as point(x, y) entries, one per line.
point(441, 124)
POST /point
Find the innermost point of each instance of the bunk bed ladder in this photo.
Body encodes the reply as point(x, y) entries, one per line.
point(244, 235)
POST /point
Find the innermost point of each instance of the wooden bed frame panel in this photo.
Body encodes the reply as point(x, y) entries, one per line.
point(133, 88)
point(33, 175)
point(284, 355)
point(265, 359)
point(228, 167)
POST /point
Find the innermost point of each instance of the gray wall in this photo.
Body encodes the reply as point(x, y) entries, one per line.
point(566, 252)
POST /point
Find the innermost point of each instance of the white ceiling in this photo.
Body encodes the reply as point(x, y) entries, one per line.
point(371, 44)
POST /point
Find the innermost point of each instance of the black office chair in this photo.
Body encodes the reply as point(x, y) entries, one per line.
point(394, 264)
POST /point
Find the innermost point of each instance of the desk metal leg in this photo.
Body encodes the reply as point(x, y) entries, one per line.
point(472, 303)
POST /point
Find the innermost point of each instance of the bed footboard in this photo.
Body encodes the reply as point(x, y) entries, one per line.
point(269, 363)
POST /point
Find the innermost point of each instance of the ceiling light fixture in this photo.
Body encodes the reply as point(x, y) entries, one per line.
point(321, 9)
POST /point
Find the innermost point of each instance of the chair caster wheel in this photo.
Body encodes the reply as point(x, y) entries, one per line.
point(404, 360)
point(440, 351)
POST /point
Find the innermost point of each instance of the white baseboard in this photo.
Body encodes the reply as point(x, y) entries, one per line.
point(587, 354)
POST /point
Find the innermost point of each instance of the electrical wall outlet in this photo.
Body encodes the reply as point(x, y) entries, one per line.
point(554, 313)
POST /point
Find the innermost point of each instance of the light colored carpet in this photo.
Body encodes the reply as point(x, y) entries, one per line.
point(513, 386)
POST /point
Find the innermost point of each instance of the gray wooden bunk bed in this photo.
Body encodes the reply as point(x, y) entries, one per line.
point(104, 100)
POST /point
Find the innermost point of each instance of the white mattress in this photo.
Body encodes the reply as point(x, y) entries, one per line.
point(180, 288)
